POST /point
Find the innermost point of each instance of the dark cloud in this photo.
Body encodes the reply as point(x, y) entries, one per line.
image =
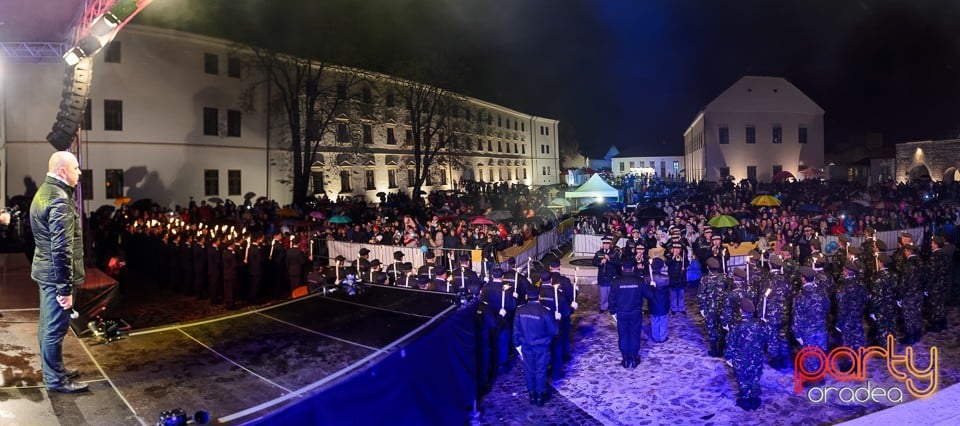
point(634, 73)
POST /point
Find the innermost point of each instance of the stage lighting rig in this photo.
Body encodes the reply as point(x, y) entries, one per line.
point(178, 417)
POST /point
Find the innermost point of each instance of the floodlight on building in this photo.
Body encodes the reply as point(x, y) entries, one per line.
point(104, 28)
point(73, 56)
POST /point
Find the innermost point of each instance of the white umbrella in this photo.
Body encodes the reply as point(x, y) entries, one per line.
point(562, 202)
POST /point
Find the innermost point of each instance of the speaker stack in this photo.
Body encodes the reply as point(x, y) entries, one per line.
point(76, 89)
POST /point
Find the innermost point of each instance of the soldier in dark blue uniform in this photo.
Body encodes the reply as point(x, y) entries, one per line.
point(659, 301)
point(499, 297)
point(745, 344)
point(394, 270)
point(607, 261)
point(851, 304)
point(566, 308)
point(533, 330)
point(556, 299)
point(376, 274)
point(214, 271)
point(296, 262)
point(518, 280)
point(677, 264)
point(938, 284)
point(253, 257)
point(911, 290)
point(230, 266)
point(465, 278)
point(626, 305)
point(883, 300)
point(199, 253)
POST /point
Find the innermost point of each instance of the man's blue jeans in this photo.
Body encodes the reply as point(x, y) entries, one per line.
point(54, 321)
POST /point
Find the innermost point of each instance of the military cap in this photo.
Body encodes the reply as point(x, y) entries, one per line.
point(851, 266)
point(635, 230)
point(607, 240)
point(555, 263)
point(430, 255)
point(375, 262)
point(905, 234)
point(339, 258)
point(753, 255)
point(640, 247)
point(533, 293)
point(807, 228)
point(708, 230)
point(497, 273)
point(546, 276)
point(715, 238)
point(885, 259)
point(881, 245)
point(440, 270)
point(397, 255)
point(675, 231)
point(713, 263)
point(776, 260)
point(364, 251)
point(807, 272)
point(854, 250)
point(657, 264)
point(746, 305)
point(676, 246)
point(406, 267)
point(740, 273)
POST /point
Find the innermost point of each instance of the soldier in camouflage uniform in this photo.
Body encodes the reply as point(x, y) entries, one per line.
point(791, 268)
point(758, 278)
point(745, 354)
point(851, 302)
point(868, 247)
point(938, 285)
point(777, 315)
point(810, 316)
point(709, 296)
point(911, 291)
point(899, 256)
point(839, 258)
point(730, 307)
point(883, 300)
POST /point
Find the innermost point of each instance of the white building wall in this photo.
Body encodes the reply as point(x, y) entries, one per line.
point(163, 151)
point(663, 166)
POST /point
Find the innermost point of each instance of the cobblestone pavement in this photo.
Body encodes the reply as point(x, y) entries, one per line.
point(677, 383)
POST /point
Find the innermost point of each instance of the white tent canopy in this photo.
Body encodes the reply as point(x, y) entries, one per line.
point(593, 188)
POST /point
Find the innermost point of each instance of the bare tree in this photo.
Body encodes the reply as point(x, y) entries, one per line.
point(309, 99)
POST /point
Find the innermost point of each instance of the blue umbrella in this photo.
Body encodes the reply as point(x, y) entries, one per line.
point(809, 209)
point(340, 219)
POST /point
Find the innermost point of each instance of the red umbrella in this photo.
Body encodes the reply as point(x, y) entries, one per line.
point(782, 176)
point(838, 229)
point(481, 221)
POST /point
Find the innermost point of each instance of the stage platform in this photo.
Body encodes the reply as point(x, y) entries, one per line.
point(247, 367)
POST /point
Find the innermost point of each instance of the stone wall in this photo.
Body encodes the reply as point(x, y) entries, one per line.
point(940, 158)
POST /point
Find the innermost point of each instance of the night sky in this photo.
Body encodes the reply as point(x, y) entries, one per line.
point(631, 73)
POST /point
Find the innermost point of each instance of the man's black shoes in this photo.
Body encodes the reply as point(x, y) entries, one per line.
point(69, 386)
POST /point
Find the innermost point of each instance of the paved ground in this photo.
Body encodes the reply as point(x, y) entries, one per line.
point(677, 383)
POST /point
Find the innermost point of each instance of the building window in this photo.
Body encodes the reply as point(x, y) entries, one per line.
point(443, 177)
point(344, 181)
point(211, 63)
point(499, 146)
point(233, 182)
point(541, 130)
point(429, 181)
point(479, 145)
point(211, 182)
point(508, 123)
point(342, 134)
point(233, 123)
point(499, 121)
point(676, 168)
point(233, 67)
point(489, 145)
point(653, 164)
point(367, 134)
point(87, 116)
point(366, 95)
point(802, 134)
point(86, 184)
point(392, 178)
point(112, 115)
point(508, 147)
point(210, 118)
point(111, 53)
point(752, 172)
point(548, 149)
point(408, 136)
point(724, 172)
point(342, 91)
point(544, 170)
point(523, 127)
point(391, 138)
point(524, 172)
point(113, 183)
point(777, 134)
point(368, 178)
point(751, 134)
point(390, 101)
point(724, 136)
point(542, 149)
point(523, 149)
point(411, 179)
point(777, 169)
point(515, 148)
point(622, 166)
point(509, 176)
point(317, 178)
point(663, 168)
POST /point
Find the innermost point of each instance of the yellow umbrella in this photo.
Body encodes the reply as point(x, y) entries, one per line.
point(765, 200)
point(121, 201)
